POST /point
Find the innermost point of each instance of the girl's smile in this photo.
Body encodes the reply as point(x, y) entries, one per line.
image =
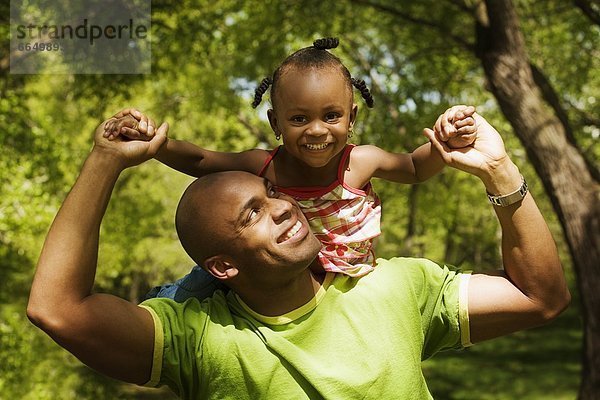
point(316, 146)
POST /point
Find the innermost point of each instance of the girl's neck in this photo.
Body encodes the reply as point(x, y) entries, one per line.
point(290, 171)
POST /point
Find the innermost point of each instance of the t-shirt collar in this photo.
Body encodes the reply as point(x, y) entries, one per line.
point(294, 314)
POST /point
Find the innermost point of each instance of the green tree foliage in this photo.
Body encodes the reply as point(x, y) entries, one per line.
point(207, 59)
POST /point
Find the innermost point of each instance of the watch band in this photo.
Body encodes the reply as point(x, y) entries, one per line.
point(511, 198)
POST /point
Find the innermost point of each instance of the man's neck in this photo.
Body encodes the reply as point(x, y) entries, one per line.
point(285, 298)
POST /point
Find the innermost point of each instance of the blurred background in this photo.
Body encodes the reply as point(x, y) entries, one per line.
point(531, 67)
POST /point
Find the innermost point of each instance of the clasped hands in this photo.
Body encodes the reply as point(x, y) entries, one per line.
point(140, 143)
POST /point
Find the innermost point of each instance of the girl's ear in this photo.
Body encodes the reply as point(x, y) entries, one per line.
point(353, 114)
point(221, 267)
point(272, 120)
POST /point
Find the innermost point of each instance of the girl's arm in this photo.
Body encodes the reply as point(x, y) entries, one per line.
point(196, 161)
point(181, 155)
point(456, 127)
point(418, 166)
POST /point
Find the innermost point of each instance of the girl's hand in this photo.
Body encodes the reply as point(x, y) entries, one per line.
point(131, 124)
point(456, 126)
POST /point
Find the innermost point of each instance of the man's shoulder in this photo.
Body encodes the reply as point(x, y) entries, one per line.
point(410, 262)
point(397, 268)
point(414, 272)
point(408, 266)
point(190, 308)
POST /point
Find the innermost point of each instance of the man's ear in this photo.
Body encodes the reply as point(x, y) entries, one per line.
point(221, 267)
point(273, 121)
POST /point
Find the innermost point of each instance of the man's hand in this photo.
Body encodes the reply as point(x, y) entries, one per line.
point(129, 152)
point(485, 154)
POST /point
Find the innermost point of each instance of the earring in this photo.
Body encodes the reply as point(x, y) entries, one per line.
point(350, 132)
point(277, 136)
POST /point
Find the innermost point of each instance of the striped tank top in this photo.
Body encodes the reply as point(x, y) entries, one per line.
point(343, 218)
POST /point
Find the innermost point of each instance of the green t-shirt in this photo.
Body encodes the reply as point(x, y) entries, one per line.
point(358, 338)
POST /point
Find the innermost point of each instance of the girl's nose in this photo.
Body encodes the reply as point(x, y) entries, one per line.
point(317, 128)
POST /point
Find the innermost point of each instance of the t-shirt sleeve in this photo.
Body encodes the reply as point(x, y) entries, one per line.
point(443, 304)
point(177, 344)
point(433, 298)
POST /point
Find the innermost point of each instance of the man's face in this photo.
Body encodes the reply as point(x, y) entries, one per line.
point(265, 230)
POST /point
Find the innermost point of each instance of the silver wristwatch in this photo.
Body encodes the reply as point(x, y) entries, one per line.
point(511, 198)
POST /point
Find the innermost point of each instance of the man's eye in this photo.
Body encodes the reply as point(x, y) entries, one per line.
point(253, 214)
point(273, 192)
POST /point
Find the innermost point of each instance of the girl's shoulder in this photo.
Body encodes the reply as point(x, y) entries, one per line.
point(361, 165)
point(364, 152)
point(255, 160)
point(365, 157)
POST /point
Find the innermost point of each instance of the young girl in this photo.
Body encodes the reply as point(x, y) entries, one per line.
point(314, 112)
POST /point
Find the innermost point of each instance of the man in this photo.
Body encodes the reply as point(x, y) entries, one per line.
point(282, 332)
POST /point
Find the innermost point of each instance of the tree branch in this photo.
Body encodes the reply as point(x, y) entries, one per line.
point(551, 97)
point(585, 118)
point(261, 135)
point(378, 92)
point(587, 7)
point(419, 21)
point(461, 5)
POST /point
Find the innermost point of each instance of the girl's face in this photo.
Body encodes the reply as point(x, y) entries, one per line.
point(313, 111)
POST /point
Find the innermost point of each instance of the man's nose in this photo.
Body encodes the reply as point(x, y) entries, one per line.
point(281, 209)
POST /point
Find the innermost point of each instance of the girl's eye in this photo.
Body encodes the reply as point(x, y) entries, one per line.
point(273, 192)
point(299, 119)
point(331, 116)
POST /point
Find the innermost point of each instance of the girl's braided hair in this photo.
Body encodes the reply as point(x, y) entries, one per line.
point(312, 56)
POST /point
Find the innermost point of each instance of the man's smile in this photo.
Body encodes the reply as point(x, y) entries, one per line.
point(290, 233)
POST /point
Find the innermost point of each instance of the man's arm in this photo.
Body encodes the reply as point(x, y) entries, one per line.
point(107, 333)
point(532, 289)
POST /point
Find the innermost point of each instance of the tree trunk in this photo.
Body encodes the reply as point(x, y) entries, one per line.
point(568, 181)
